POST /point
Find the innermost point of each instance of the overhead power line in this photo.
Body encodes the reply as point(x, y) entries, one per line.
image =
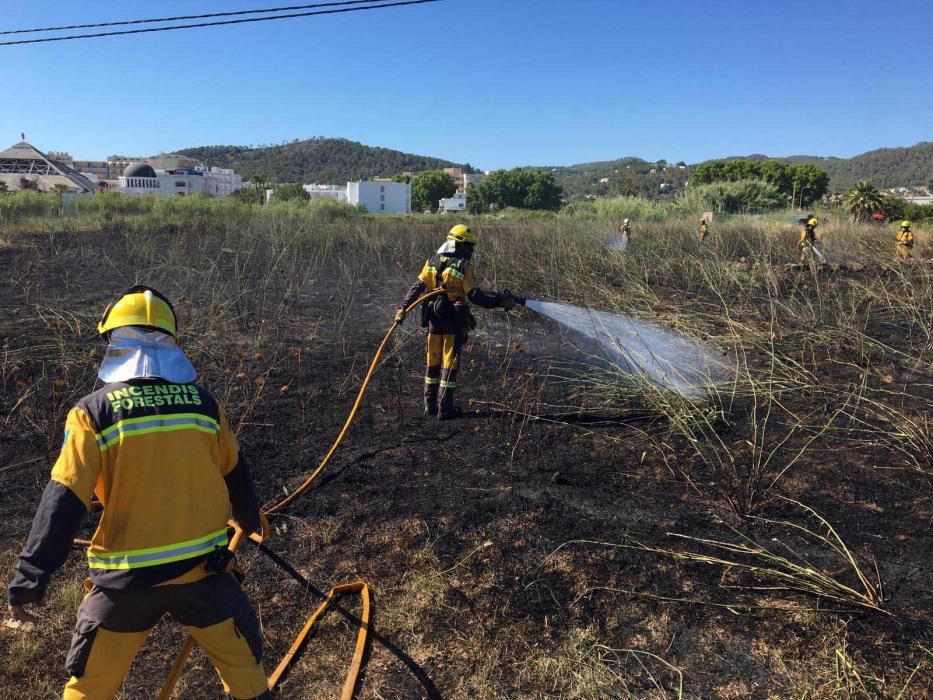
point(267, 11)
point(341, 10)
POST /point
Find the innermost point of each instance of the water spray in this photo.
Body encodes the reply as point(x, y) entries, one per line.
point(619, 243)
point(665, 358)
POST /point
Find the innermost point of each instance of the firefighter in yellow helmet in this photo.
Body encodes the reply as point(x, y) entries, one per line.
point(704, 230)
point(807, 239)
point(905, 241)
point(159, 454)
point(448, 317)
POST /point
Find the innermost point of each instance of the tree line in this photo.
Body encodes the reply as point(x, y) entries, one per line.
point(799, 185)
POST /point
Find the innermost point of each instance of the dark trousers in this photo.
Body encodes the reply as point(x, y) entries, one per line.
point(113, 624)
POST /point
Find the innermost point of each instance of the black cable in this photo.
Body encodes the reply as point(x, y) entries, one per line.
point(183, 17)
point(216, 24)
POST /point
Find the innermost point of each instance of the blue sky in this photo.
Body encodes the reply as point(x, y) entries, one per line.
point(497, 83)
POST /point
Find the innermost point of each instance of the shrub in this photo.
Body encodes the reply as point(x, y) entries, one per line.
point(28, 203)
point(741, 197)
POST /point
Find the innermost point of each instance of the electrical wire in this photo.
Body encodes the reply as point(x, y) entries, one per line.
point(341, 10)
point(184, 17)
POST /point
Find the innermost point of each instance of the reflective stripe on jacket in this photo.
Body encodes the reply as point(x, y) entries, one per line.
point(164, 463)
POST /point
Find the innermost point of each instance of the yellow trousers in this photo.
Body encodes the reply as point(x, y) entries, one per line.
point(440, 377)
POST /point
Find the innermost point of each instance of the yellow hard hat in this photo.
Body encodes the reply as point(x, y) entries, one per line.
point(139, 306)
point(905, 224)
point(462, 234)
point(812, 222)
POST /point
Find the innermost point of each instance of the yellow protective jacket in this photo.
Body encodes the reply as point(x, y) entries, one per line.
point(905, 238)
point(807, 237)
point(164, 463)
point(456, 275)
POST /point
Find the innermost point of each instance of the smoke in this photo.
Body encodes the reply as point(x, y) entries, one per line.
point(648, 352)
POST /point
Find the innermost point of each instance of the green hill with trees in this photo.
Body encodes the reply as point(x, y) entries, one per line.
point(340, 160)
point(885, 168)
point(320, 160)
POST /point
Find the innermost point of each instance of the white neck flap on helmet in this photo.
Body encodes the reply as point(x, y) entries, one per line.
point(135, 353)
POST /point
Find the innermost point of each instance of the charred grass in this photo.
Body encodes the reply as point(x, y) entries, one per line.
point(577, 535)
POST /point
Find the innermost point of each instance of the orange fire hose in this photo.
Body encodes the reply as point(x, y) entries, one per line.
point(348, 686)
point(359, 587)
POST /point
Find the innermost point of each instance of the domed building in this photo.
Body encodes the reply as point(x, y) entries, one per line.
point(139, 169)
point(139, 178)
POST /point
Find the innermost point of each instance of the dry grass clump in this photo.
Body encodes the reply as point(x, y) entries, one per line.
point(586, 669)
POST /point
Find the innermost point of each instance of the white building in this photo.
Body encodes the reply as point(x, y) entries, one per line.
point(472, 179)
point(454, 204)
point(323, 191)
point(143, 179)
point(221, 182)
point(379, 197)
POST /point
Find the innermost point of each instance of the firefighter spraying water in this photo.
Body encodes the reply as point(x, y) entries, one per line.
point(645, 352)
point(806, 246)
point(448, 317)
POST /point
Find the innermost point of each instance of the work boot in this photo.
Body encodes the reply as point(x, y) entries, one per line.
point(450, 414)
point(431, 393)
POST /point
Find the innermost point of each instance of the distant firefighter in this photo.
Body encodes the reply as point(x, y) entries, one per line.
point(625, 229)
point(807, 239)
point(905, 241)
point(704, 230)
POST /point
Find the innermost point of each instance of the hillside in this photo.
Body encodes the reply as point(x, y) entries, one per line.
point(341, 160)
point(315, 160)
point(885, 167)
point(625, 176)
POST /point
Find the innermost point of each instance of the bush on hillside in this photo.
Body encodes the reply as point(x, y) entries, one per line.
point(741, 197)
point(796, 183)
point(519, 188)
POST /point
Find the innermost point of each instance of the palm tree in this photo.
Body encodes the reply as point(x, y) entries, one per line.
point(259, 182)
point(862, 201)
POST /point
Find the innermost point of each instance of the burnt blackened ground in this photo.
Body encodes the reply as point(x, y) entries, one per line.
point(485, 540)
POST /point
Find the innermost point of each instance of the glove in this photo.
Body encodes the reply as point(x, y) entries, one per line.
point(400, 316)
point(507, 301)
